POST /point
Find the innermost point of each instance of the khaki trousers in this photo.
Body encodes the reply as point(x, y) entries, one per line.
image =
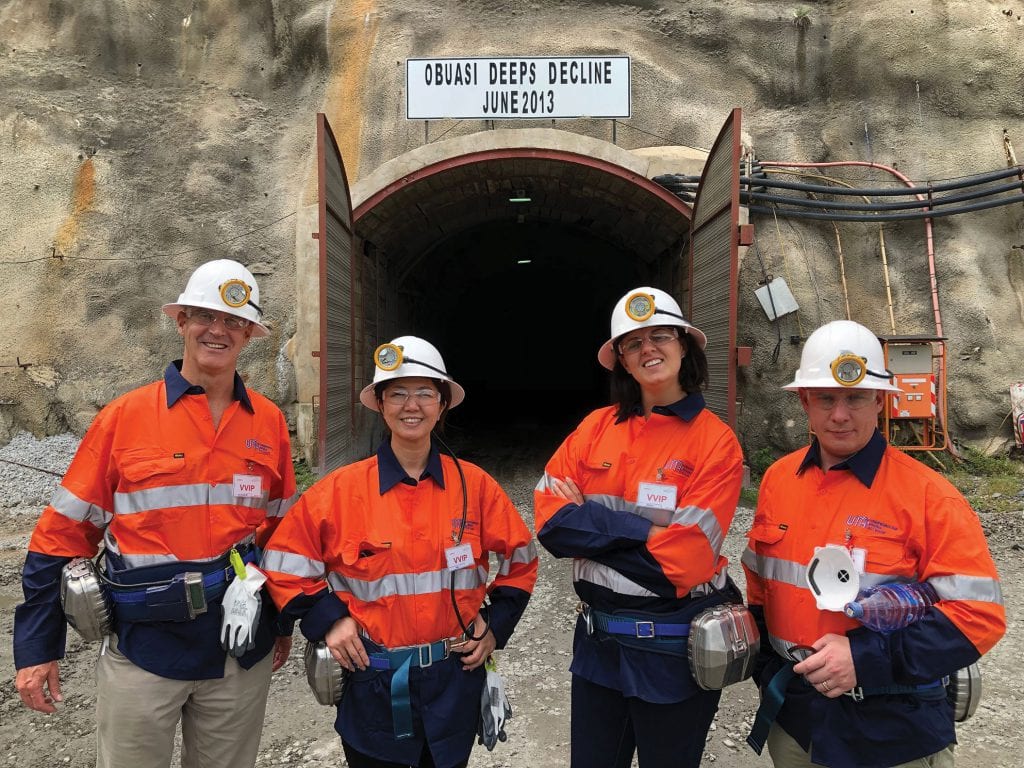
point(786, 753)
point(138, 712)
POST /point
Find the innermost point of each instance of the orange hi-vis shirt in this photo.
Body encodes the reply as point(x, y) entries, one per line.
point(162, 485)
point(164, 490)
point(382, 551)
point(690, 449)
point(911, 525)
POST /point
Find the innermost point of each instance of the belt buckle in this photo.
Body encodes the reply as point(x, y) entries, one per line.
point(588, 619)
point(857, 694)
point(430, 655)
point(645, 630)
point(453, 644)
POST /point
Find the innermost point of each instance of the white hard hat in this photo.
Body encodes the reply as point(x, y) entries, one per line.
point(225, 286)
point(842, 354)
point(645, 308)
point(408, 356)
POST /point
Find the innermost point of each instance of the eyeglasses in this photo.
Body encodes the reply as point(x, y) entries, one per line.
point(206, 318)
point(854, 401)
point(659, 338)
point(424, 397)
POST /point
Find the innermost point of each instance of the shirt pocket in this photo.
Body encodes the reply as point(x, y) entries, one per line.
point(885, 555)
point(598, 475)
point(137, 465)
point(768, 535)
point(367, 558)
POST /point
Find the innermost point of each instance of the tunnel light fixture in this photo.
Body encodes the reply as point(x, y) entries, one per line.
point(524, 261)
point(520, 196)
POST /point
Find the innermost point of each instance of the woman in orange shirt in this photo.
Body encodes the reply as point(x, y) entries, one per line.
point(641, 495)
point(386, 560)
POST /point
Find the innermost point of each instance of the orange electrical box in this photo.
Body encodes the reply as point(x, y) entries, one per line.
point(914, 417)
point(916, 398)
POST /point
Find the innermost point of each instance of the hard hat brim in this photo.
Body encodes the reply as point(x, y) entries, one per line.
point(172, 310)
point(607, 356)
point(829, 383)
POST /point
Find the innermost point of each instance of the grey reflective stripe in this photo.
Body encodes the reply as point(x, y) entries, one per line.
point(795, 574)
point(74, 508)
point(776, 569)
point(198, 494)
point(292, 564)
point(960, 587)
point(140, 561)
point(545, 483)
point(617, 503)
point(525, 554)
point(749, 559)
point(781, 645)
point(406, 584)
point(605, 576)
point(705, 520)
point(689, 515)
point(277, 507)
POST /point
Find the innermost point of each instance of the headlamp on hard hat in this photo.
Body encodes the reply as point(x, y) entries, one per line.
point(235, 293)
point(849, 370)
point(640, 306)
point(389, 357)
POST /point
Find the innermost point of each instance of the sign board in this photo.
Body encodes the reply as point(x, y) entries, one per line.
point(517, 87)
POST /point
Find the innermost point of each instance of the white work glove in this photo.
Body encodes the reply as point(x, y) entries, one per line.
point(494, 711)
point(241, 611)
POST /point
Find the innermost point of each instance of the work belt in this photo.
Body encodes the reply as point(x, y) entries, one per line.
point(401, 660)
point(773, 696)
point(177, 591)
point(630, 626)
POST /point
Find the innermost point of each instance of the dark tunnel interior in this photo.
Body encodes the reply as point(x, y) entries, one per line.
point(511, 264)
point(519, 312)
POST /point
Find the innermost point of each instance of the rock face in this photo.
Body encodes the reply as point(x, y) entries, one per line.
point(138, 139)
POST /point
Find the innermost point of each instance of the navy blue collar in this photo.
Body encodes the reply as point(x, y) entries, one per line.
point(177, 386)
point(686, 409)
point(390, 472)
point(863, 464)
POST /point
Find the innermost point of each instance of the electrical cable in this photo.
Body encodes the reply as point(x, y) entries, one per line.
point(909, 216)
point(150, 256)
point(775, 314)
point(896, 206)
point(928, 190)
point(37, 469)
point(457, 538)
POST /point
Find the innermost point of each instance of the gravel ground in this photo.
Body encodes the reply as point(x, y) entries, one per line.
point(535, 665)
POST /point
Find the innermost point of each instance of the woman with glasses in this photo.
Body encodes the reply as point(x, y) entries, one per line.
point(386, 560)
point(641, 496)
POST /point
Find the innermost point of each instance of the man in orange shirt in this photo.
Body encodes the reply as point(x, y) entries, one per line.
point(861, 698)
point(172, 477)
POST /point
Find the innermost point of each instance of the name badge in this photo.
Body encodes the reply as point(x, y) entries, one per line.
point(247, 486)
point(859, 555)
point(656, 496)
point(459, 557)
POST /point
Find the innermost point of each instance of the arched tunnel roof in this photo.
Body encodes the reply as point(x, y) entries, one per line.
point(412, 205)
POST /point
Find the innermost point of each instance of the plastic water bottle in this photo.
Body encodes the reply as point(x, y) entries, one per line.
point(892, 606)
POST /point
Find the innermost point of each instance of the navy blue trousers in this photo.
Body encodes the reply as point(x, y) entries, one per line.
point(607, 728)
point(357, 759)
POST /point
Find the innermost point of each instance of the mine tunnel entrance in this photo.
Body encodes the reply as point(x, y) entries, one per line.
point(510, 262)
point(508, 250)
